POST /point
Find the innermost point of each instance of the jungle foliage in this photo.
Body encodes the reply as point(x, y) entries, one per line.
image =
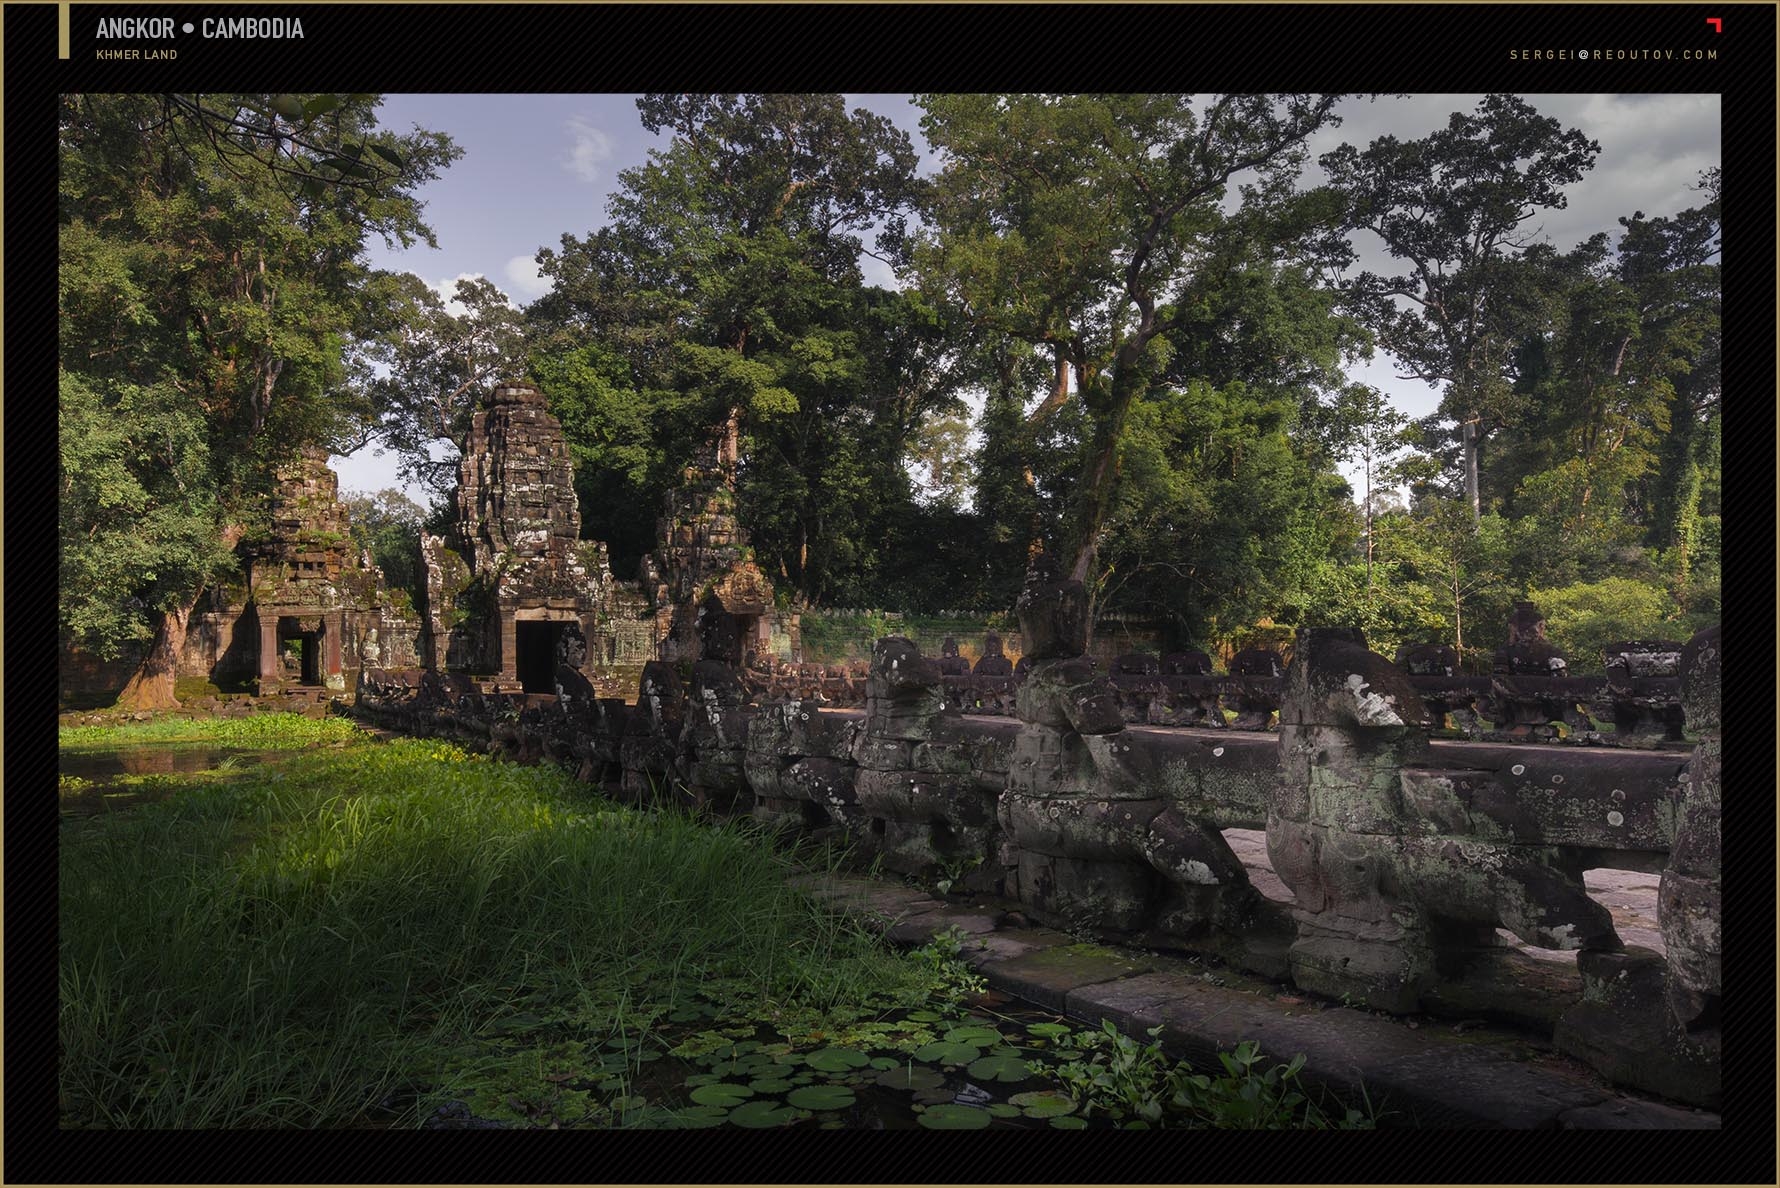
point(1121, 333)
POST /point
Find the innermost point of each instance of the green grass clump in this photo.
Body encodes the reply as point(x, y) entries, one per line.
point(360, 925)
point(264, 732)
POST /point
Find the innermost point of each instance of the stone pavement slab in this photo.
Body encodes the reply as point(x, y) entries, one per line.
point(918, 930)
point(1046, 976)
point(1472, 1087)
point(1001, 945)
point(1414, 1071)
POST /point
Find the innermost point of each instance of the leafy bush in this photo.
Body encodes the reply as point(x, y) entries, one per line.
point(1123, 1077)
point(1584, 618)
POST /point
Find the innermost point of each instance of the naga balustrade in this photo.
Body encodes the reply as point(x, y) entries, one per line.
point(1405, 851)
point(1526, 697)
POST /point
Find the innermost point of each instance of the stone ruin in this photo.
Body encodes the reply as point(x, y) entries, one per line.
point(516, 597)
point(308, 612)
point(516, 592)
point(1402, 853)
point(704, 552)
point(1099, 834)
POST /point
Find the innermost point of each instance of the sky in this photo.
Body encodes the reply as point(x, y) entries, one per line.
point(536, 167)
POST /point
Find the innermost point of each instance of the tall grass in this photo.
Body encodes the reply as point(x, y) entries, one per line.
point(264, 732)
point(294, 947)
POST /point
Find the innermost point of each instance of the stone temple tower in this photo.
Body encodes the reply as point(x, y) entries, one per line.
point(523, 600)
point(704, 551)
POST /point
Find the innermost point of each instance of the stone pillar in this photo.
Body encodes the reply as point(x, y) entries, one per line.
point(333, 630)
point(1646, 1020)
point(914, 793)
point(713, 733)
point(1345, 732)
point(650, 744)
point(508, 660)
point(271, 667)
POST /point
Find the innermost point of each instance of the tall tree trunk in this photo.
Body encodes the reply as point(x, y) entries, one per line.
point(151, 686)
point(1368, 457)
point(1101, 474)
point(1458, 618)
point(1471, 495)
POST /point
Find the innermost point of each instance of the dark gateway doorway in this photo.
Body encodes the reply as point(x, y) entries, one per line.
point(307, 639)
point(536, 646)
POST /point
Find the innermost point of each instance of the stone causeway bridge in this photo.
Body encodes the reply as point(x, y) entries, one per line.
point(1410, 839)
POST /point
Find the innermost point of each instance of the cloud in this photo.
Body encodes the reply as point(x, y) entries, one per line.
point(516, 284)
point(588, 149)
point(447, 289)
point(524, 279)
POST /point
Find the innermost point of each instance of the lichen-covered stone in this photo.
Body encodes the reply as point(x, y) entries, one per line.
point(1093, 845)
point(1401, 870)
point(1690, 896)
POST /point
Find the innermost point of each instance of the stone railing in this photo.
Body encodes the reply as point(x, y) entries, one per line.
point(1404, 852)
point(1525, 699)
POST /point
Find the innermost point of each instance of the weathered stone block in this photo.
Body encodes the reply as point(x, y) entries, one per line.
point(1106, 830)
point(1085, 893)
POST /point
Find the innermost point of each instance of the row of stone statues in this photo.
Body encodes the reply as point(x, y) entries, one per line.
point(1403, 856)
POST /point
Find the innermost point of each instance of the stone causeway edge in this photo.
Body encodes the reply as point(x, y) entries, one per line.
point(1439, 1075)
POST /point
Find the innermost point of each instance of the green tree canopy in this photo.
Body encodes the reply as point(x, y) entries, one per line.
point(211, 253)
point(1093, 227)
point(1452, 206)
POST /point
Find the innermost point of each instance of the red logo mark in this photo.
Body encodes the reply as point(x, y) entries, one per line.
point(1717, 24)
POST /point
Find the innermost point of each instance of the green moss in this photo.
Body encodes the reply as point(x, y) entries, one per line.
point(187, 688)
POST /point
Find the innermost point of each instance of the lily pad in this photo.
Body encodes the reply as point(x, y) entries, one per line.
point(982, 1037)
point(1070, 1122)
point(821, 1097)
point(771, 1086)
point(696, 1118)
point(763, 1114)
point(726, 1094)
point(837, 1059)
point(944, 1052)
point(1002, 1109)
point(1045, 1103)
point(747, 1066)
point(1007, 1069)
point(1048, 1031)
point(911, 1077)
point(955, 1117)
point(885, 1063)
point(926, 1016)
